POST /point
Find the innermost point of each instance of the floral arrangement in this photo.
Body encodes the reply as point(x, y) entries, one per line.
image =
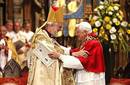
point(108, 23)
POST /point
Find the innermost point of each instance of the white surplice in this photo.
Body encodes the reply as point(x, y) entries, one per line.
point(3, 57)
point(28, 35)
point(20, 36)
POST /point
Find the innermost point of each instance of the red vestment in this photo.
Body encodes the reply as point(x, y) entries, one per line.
point(94, 62)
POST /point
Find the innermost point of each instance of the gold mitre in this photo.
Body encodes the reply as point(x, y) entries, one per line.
point(55, 15)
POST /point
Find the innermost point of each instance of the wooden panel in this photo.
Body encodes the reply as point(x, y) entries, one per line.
point(27, 10)
point(127, 9)
point(1, 1)
point(9, 10)
point(1, 15)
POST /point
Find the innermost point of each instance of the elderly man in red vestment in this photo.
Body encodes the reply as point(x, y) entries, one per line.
point(88, 59)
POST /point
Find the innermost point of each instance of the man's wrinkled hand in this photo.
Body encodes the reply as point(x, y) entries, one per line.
point(80, 53)
point(54, 55)
point(75, 54)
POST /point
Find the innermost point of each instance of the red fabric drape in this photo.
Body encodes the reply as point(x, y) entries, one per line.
point(18, 81)
point(120, 81)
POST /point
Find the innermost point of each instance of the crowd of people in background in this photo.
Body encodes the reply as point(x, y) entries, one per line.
point(14, 42)
point(17, 32)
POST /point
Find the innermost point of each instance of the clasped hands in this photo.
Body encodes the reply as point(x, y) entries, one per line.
point(80, 53)
point(57, 54)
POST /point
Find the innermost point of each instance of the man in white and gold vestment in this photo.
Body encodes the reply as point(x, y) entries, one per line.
point(41, 73)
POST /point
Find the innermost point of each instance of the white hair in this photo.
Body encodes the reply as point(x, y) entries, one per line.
point(85, 26)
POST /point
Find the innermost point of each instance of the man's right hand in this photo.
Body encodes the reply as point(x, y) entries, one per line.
point(54, 55)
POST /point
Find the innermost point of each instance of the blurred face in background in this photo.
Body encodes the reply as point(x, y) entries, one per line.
point(27, 27)
point(3, 31)
point(17, 26)
point(9, 26)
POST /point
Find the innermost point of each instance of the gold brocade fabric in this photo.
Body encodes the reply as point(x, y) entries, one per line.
point(67, 77)
point(55, 16)
point(40, 74)
point(22, 58)
point(12, 48)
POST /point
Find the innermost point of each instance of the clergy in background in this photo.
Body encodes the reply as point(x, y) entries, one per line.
point(8, 56)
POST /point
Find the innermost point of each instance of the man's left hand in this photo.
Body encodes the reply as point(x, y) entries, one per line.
point(80, 53)
point(54, 55)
